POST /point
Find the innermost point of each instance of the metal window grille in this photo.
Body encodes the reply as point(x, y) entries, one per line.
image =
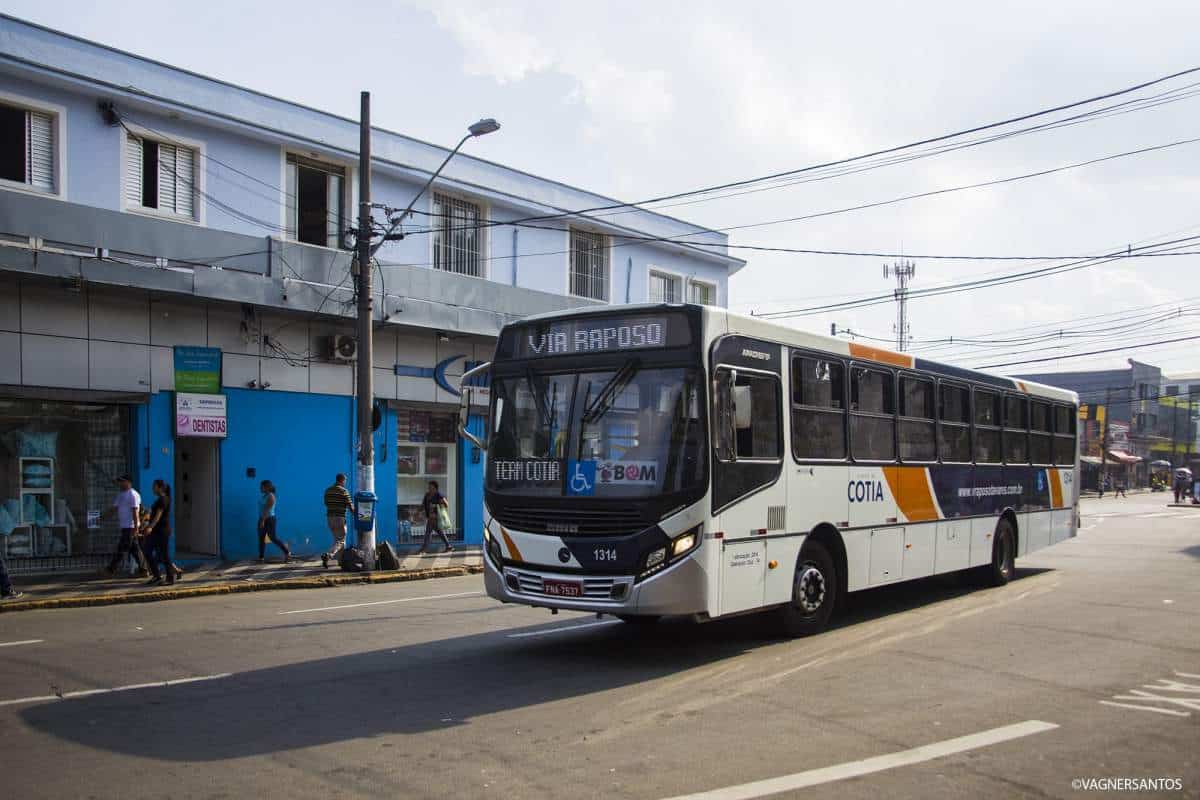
point(589, 265)
point(664, 288)
point(457, 236)
point(702, 293)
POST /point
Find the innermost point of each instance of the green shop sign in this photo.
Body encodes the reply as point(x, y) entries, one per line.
point(198, 369)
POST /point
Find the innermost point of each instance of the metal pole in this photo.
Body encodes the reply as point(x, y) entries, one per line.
point(366, 389)
point(1104, 440)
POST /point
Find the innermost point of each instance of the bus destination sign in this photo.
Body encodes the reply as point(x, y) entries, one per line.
point(600, 335)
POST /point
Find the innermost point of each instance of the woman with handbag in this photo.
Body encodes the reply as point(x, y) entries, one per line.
point(437, 516)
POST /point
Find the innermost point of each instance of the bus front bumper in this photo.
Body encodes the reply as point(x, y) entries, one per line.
point(678, 590)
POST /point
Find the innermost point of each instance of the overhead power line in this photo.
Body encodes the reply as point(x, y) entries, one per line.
point(1128, 347)
point(849, 160)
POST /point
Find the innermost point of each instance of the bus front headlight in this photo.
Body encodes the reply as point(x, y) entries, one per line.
point(683, 543)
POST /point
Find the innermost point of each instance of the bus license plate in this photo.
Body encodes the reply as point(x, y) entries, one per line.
point(562, 588)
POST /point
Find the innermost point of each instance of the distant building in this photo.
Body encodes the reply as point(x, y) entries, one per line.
point(1143, 425)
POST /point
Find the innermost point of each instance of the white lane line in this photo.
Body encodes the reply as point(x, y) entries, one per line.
point(26, 641)
point(91, 692)
point(383, 602)
point(854, 769)
point(1166, 711)
point(564, 629)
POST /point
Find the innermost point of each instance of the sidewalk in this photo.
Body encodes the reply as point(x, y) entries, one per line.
point(225, 577)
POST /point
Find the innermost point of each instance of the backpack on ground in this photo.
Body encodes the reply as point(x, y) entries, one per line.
point(387, 556)
point(352, 560)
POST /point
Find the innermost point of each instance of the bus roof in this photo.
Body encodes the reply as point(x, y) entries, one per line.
point(783, 334)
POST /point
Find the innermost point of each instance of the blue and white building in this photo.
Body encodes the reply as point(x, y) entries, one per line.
point(152, 218)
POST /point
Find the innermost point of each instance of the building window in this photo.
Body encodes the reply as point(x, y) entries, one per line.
point(1172, 390)
point(160, 176)
point(665, 288)
point(589, 265)
point(27, 147)
point(703, 293)
point(457, 236)
point(315, 201)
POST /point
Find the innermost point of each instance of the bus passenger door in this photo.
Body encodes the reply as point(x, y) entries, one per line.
point(748, 494)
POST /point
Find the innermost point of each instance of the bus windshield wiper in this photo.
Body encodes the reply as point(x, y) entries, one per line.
point(604, 400)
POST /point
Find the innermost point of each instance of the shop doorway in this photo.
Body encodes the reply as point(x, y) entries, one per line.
point(197, 476)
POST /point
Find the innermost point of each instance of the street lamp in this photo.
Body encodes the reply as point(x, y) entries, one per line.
point(481, 128)
point(366, 251)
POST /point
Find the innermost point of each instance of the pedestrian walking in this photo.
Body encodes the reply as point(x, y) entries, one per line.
point(7, 592)
point(1121, 487)
point(434, 503)
point(128, 507)
point(337, 503)
point(157, 543)
point(266, 523)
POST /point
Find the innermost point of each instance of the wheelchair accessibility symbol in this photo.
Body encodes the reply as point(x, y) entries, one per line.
point(581, 478)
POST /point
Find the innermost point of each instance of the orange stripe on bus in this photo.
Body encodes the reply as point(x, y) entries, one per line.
point(513, 552)
point(880, 355)
point(910, 488)
point(1056, 492)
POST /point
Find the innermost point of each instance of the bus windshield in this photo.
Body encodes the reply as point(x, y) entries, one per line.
point(617, 433)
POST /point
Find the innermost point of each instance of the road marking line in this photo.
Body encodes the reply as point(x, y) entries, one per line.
point(383, 602)
point(26, 641)
point(1146, 708)
point(91, 692)
point(867, 766)
point(563, 629)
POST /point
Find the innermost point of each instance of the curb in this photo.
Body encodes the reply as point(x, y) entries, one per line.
point(321, 582)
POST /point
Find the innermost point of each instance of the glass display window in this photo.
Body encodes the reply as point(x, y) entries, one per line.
point(426, 451)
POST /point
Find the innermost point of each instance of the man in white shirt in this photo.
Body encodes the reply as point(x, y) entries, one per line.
point(128, 506)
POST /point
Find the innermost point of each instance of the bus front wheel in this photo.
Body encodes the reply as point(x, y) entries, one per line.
point(814, 593)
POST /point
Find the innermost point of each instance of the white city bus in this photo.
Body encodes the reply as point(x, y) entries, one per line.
point(656, 460)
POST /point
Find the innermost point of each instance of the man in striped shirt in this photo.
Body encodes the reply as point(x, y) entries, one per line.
point(337, 503)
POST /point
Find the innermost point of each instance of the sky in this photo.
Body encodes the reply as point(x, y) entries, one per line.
point(640, 99)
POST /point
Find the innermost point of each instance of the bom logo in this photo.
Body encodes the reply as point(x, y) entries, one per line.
point(865, 491)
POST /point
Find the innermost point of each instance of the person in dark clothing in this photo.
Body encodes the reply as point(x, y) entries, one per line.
point(7, 592)
point(432, 501)
point(157, 546)
point(267, 522)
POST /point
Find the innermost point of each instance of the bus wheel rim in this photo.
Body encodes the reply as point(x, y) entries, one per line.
point(810, 588)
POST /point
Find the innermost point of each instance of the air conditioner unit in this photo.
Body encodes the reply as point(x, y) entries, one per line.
point(341, 347)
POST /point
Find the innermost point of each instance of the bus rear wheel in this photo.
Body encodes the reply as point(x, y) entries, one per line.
point(814, 593)
point(1004, 556)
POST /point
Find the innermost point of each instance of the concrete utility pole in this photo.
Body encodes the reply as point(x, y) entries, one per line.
point(366, 385)
point(903, 272)
point(1104, 438)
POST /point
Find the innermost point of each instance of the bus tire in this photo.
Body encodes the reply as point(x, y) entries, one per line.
point(1004, 556)
point(814, 593)
point(639, 619)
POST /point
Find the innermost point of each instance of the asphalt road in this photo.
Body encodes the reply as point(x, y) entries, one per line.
point(1086, 666)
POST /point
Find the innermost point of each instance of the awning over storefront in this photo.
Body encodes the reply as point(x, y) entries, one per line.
point(1123, 457)
point(1094, 460)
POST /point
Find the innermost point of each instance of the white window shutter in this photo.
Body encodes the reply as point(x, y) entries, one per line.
point(185, 170)
point(291, 187)
point(39, 165)
point(133, 171)
point(166, 177)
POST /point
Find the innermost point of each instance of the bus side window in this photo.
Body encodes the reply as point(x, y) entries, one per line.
point(747, 414)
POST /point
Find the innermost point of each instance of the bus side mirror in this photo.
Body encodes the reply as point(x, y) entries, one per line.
point(465, 399)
